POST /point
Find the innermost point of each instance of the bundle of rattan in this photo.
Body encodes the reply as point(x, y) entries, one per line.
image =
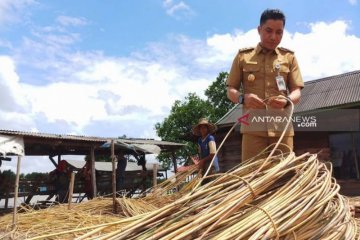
point(85, 216)
point(282, 197)
point(291, 198)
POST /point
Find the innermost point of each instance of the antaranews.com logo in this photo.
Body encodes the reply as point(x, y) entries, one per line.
point(299, 121)
point(328, 120)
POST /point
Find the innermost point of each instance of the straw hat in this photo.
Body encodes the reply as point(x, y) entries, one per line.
point(203, 121)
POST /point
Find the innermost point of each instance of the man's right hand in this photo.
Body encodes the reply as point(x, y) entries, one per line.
point(252, 101)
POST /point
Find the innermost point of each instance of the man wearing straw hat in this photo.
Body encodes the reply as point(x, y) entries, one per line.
point(206, 147)
point(267, 74)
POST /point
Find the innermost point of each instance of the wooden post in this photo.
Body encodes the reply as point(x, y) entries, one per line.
point(71, 189)
point(355, 157)
point(155, 175)
point(52, 160)
point(93, 175)
point(174, 161)
point(7, 201)
point(175, 165)
point(16, 191)
point(113, 175)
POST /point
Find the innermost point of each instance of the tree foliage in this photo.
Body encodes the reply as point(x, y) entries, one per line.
point(177, 126)
point(217, 98)
point(184, 114)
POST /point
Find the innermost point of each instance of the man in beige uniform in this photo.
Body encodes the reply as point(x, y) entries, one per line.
point(265, 71)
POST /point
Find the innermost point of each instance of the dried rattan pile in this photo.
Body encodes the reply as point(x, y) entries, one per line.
point(278, 198)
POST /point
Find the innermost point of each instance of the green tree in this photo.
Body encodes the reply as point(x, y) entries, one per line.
point(217, 98)
point(99, 158)
point(177, 126)
point(36, 176)
point(184, 114)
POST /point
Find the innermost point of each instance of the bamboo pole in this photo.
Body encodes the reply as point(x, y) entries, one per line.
point(93, 173)
point(16, 191)
point(71, 189)
point(113, 175)
point(154, 175)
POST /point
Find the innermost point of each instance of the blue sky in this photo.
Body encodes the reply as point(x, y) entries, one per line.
point(108, 68)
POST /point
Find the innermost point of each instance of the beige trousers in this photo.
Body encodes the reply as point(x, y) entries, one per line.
point(253, 145)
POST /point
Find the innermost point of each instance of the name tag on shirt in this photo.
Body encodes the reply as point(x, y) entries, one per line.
point(280, 83)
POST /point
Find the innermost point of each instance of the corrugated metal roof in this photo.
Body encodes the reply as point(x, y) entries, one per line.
point(54, 136)
point(88, 138)
point(329, 92)
point(62, 144)
point(231, 116)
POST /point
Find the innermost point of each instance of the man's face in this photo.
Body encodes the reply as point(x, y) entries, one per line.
point(203, 130)
point(271, 33)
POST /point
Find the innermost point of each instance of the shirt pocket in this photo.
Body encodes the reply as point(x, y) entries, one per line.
point(251, 73)
point(284, 70)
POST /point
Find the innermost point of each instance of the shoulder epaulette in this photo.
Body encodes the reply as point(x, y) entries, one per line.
point(286, 50)
point(246, 49)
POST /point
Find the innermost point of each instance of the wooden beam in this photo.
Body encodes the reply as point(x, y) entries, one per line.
point(52, 160)
point(71, 189)
point(16, 191)
point(93, 173)
point(113, 175)
point(174, 161)
point(355, 157)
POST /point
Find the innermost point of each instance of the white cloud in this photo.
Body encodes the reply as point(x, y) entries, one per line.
point(12, 10)
point(179, 10)
point(326, 50)
point(11, 95)
point(222, 48)
point(75, 103)
point(71, 21)
point(17, 121)
point(84, 87)
point(353, 2)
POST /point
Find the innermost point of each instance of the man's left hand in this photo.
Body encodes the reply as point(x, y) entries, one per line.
point(278, 103)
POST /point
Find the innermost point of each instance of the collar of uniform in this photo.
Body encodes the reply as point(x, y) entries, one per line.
point(259, 49)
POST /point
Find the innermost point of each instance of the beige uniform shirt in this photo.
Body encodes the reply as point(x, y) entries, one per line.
point(255, 70)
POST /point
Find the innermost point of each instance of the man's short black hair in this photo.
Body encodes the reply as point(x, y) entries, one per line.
point(275, 14)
